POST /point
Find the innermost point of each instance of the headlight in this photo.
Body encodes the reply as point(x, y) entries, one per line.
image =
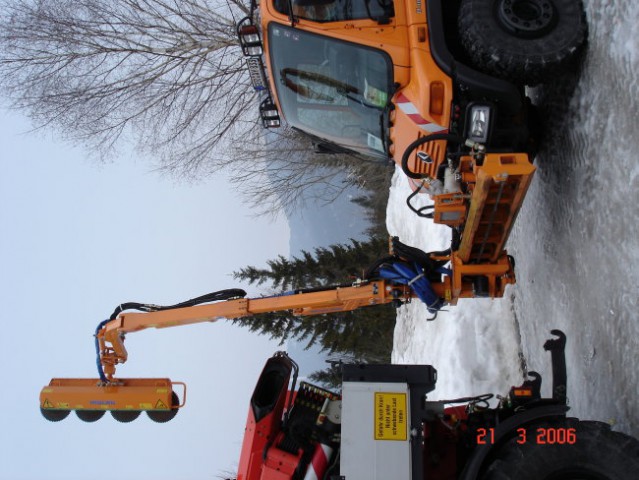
point(254, 50)
point(272, 123)
point(269, 114)
point(249, 36)
point(479, 123)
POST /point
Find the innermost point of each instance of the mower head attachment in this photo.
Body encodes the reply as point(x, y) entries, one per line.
point(125, 398)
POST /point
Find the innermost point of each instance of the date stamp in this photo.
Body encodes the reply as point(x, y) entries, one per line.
point(538, 436)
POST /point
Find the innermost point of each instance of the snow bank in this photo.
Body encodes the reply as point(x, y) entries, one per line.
point(475, 345)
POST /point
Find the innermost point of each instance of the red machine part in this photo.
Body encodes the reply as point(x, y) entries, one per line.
point(440, 444)
point(264, 423)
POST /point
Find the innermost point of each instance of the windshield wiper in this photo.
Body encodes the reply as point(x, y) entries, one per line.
point(291, 17)
point(307, 91)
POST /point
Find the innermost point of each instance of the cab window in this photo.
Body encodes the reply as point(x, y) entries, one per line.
point(335, 90)
point(337, 10)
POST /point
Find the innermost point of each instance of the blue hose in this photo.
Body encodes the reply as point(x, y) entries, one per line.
point(411, 275)
point(97, 350)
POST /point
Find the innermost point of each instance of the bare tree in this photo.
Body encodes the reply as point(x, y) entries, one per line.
point(282, 169)
point(166, 74)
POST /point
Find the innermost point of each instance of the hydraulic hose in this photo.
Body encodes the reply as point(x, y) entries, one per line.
point(449, 137)
point(145, 307)
point(207, 298)
point(97, 350)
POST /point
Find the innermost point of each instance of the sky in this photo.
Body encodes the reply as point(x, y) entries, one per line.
point(78, 238)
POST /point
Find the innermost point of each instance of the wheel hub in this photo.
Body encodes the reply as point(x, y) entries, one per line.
point(526, 18)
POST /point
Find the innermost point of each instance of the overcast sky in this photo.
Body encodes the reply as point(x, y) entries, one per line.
point(77, 239)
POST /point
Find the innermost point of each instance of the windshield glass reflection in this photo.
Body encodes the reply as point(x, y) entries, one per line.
point(332, 89)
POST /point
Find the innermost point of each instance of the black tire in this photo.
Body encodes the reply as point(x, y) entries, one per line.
point(125, 416)
point(596, 454)
point(163, 416)
point(90, 416)
point(54, 415)
point(524, 41)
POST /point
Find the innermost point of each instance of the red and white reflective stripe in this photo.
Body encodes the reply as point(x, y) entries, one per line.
point(406, 106)
point(319, 463)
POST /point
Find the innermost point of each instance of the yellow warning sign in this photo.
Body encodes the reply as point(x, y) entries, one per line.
point(47, 403)
point(390, 416)
point(160, 405)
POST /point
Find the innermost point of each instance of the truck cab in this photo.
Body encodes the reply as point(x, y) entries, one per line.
point(374, 76)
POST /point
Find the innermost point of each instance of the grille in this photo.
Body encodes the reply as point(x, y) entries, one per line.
point(436, 150)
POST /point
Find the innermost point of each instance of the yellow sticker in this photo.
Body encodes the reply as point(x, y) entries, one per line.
point(390, 416)
point(146, 406)
point(160, 405)
point(161, 390)
point(47, 403)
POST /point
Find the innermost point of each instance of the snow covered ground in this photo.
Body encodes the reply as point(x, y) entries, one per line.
point(576, 243)
point(474, 346)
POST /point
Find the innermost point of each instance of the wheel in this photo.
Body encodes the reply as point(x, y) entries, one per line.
point(54, 415)
point(525, 41)
point(90, 415)
point(163, 416)
point(554, 451)
point(125, 416)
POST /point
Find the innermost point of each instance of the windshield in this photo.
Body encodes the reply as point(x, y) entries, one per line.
point(336, 10)
point(335, 90)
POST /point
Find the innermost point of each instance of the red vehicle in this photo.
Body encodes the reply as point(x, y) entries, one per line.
point(381, 425)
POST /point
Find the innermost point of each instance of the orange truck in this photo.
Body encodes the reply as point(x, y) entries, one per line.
point(438, 86)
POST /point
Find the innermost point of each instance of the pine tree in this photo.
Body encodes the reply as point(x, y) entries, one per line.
point(365, 334)
point(326, 266)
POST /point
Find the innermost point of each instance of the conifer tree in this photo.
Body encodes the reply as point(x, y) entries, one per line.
point(324, 267)
point(365, 334)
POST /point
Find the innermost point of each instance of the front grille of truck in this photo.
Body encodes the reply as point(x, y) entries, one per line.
point(436, 150)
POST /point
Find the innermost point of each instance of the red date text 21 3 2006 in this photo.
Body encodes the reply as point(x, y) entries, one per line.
point(540, 436)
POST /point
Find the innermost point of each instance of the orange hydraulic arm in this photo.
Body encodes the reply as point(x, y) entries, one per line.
point(337, 299)
point(126, 398)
